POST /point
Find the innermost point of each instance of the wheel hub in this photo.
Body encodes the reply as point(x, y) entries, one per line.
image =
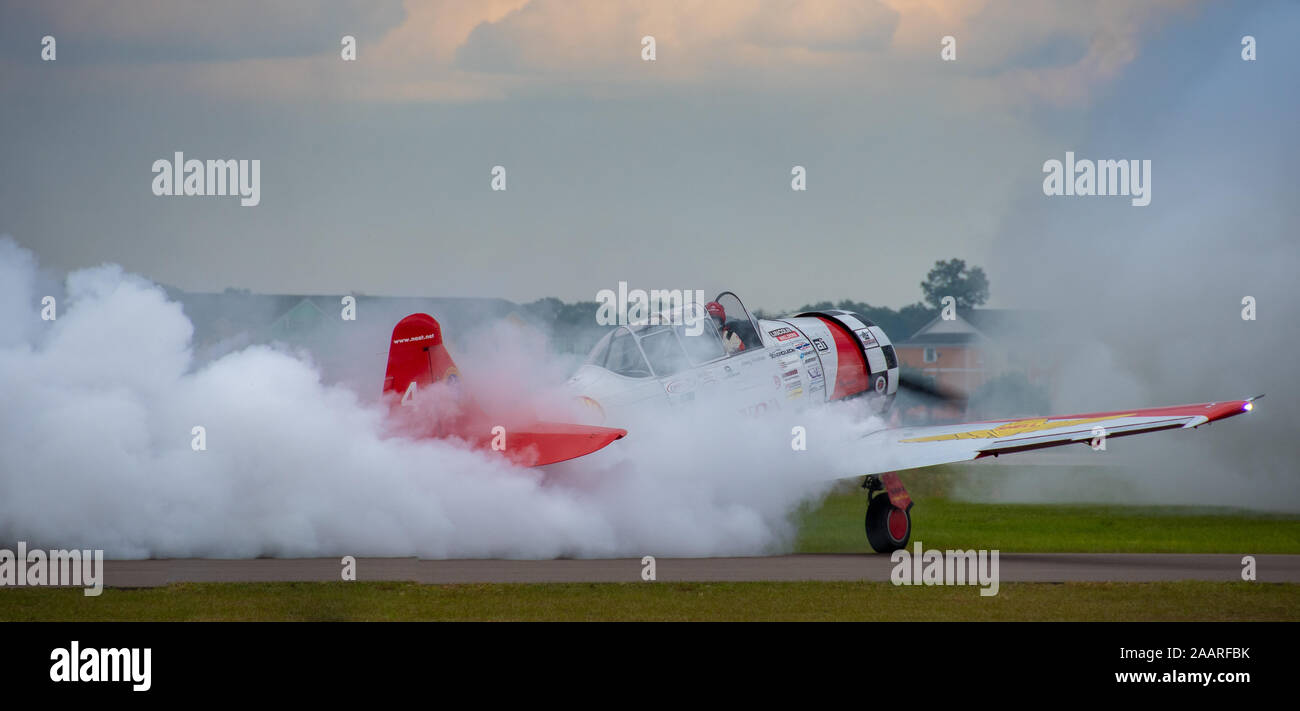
point(897, 524)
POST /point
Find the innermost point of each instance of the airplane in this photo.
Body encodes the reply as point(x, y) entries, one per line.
point(763, 365)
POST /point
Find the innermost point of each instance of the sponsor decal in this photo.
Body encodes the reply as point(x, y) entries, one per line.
point(867, 338)
point(803, 346)
point(595, 406)
point(678, 386)
point(411, 339)
point(880, 384)
point(756, 409)
point(820, 344)
point(783, 334)
point(778, 354)
point(814, 372)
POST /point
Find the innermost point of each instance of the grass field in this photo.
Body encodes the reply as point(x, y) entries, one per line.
point(834, 526)
point(941, 523)
point(803, 601)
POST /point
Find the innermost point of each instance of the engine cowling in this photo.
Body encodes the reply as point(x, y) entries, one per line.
point(865, 362)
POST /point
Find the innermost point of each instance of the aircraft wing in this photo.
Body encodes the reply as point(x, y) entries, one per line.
point(901, 448)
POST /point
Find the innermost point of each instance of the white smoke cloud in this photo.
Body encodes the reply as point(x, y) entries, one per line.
point(95, 451)
point(1151, 298)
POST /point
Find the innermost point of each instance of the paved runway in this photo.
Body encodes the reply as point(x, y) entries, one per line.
point(1013, 567)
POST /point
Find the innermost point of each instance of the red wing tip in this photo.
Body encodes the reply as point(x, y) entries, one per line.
point(1231, 408)
point(543, 443)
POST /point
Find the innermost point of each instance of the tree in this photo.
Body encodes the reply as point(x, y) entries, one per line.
point(969, 287)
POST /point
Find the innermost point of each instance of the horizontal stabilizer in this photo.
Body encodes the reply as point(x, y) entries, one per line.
point(418, 358)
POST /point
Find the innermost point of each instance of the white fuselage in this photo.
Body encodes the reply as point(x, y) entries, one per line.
point(790, 363)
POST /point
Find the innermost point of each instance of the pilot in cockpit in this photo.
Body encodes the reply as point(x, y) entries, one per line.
point(730, 339)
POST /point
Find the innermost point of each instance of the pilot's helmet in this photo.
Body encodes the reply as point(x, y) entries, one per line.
point(717, 312)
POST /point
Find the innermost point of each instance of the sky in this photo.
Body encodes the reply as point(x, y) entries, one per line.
point(675, 173)
point(375, 178)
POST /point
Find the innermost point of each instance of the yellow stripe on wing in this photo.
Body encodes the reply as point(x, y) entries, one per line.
point(1007, 429)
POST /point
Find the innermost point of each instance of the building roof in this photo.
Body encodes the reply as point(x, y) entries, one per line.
point(935, 339)
point(976, 325)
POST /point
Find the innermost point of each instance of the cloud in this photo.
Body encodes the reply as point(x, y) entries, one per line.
point(454, 51)
point(142, 31)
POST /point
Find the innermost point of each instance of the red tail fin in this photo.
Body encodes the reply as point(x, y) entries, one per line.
point(417, 357)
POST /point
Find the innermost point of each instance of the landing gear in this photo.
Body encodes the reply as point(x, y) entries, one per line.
point(889, 518)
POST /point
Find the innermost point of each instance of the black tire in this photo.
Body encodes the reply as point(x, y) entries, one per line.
point(879, 535)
